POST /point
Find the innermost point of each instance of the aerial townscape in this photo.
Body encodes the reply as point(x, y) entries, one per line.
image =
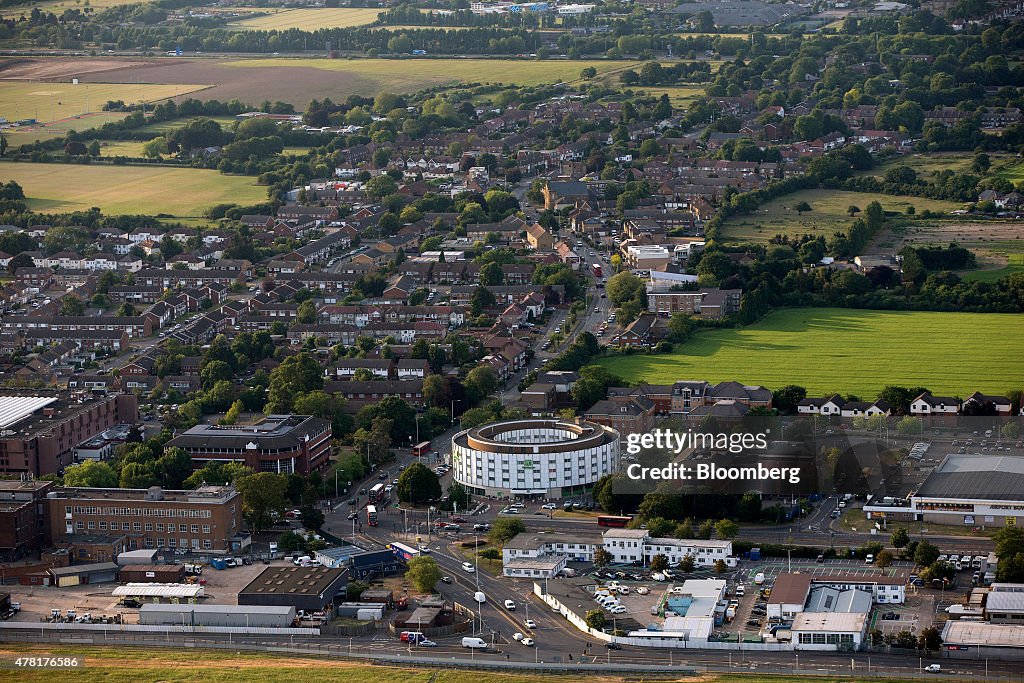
point(425, 340)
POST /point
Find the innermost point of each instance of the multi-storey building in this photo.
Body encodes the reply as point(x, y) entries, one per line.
point(23, 531)
point(208, 518)
point(281, 443)
point(39, 429)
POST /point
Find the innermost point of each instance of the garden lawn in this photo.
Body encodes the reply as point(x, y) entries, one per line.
point(151, 190)
point(848, 351)
point(827, 215)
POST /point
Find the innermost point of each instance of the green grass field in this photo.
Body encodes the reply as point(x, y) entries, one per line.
point(309, 19)
point(126, 664)
point(679, 96)
point(167, 126)
point(408, 75)
point(124, 148)
point(827, 214)
point(847, 351)
point(45, 101)
point(59, 188)
point(26, 135)
point(926, 164)
point(1015, 265)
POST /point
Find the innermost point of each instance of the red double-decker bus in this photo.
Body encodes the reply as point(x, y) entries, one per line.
point(371, 515)
point(596, 269)
point(377, 493)
point(421, 449)
point(615, 521)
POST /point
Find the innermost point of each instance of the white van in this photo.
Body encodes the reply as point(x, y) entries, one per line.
point(474, 643)
point(479, 596)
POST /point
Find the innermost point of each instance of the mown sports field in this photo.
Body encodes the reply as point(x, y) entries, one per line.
point(45, 101)
point(152, 190)
point(846, 351)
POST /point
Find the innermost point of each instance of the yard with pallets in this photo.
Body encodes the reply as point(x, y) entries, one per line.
point(151, 190)
point(828, 214)
point(829, 350)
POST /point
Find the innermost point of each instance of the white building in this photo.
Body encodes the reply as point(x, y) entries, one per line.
point(829, 630)
point(627, 546)
point(540, 568)
point(529, 546)
point(535, 457)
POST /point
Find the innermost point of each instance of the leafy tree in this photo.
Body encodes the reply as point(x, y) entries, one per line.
point(458, 496)
point(490, 554)
point(294, 376)
point(71, 305)
point(687, 564)
point(602, 558)
point(480, 383)
point(852, 210)
point(801, 207)
point(354, 589)
point(623, 287)
point(909, 426)
point(312, 517)
point(900, 538)
point(658, 563)
point(595, 619)
point(588, 72)
point(262, 494)
point(926, 554)
point(884, 559)
point(727, 529)
point(423, 573)
point(504, 529)
point(786, 399)
point(215, 371)
point(706, 528)
point(91, 474)
point(929, 639)
point(418, 484)
point(721, 567)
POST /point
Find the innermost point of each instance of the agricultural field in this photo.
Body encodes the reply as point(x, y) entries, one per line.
point(409, 75)
point(679, 96)
point(843, 350)
point(59, 6)
point(926, 164)
point(827, 215)
point(997, 244)
point(308, 19)
point(68, 102)
point(59, 188)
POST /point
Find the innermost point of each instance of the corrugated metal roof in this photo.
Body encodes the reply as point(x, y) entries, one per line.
point(158, 590)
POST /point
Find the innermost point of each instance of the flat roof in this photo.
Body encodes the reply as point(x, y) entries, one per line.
point(980, 477)
point(837, 622)
point(546, 562)
point(203, 494)
point(534, 541)
point(978, 633)
point(292, 581)
point(84, 568)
